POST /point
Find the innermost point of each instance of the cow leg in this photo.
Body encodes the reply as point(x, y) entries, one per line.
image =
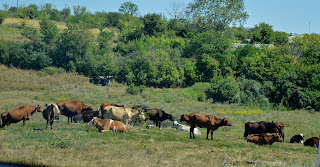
point(208, 131)
point(192, 131)
point(211, 134)
point(159, 123)
point(47, 123)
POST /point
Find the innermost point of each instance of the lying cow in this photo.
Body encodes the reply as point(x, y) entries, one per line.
point(262, 139)
point(263, 127)
point(313, 141)
point(157, 116)
point(72, 108)
point(185, 128)
point(297, 138)
point(51, 113)
point(125, 114)
point(210, 122)
point(87, 116)
point(22, 113)
point(105, 125)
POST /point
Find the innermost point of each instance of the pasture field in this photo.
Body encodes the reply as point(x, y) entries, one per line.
point(76, 144)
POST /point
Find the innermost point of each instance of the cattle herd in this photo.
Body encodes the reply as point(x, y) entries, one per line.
point(114, 117)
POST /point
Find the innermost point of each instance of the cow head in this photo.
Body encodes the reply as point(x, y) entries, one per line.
point(141, 115)
point(225, 122)
point(277, 138)
point(93, 122)
point(184, 118)
point(38, 108)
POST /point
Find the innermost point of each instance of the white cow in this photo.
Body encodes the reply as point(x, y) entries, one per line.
point(185, 128)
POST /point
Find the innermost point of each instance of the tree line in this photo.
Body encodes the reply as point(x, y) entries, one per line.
point(154, 51)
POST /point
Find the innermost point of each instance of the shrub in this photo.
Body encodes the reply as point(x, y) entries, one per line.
point(132, 89)
point(223, 89)
point(2, 16)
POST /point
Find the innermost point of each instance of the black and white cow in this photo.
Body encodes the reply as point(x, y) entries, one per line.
point(297, 138)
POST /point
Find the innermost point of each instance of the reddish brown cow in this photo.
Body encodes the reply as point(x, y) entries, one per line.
point(72, 108)
point(313, 141)
point(262, 139)
point(23, 113)
point(210, 122)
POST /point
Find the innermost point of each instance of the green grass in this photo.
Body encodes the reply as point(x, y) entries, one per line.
point(70, 144)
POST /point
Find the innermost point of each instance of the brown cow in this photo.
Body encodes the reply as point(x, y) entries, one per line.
point(105, 125)
point(263, 127)
point(210, 122)
point(87, 116)
point(72, 108)
point(262, 139)
point(22, 113)
point(313, 141)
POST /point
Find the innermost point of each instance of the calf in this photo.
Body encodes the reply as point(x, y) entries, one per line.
point(313, 141)
point(185, 128)
point(210, 122)
point(297, 138)
point(105, 125)
point(262, 139)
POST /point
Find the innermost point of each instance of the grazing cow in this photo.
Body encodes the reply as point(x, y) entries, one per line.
point(22, 113)
point(51, 113)
point(262, 139)
point(185, 128)
point(313, 141)
point(210, 122)
point(72, 108)
point(87, 116)
point(297, 138)
point(262, 127)
point(105, 125)
point(125, 114)
point(104, 107)
point(157, 116)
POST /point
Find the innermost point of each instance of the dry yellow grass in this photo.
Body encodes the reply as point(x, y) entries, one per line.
point(32, 23)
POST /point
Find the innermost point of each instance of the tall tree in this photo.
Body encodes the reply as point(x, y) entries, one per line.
point(216, 14)
point(48, 29)
point(129, 8)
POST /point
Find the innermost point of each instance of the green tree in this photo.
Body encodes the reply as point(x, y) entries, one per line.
point(49, 30)
point(217, 14)
point(281, 38)
point(207, 67)
point(129, 8)
point(190, 73)
point(2, 16)
point(168, 74)
point(154, 25)
point(263, 33)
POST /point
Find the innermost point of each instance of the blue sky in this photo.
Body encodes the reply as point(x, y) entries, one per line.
point(291, 16)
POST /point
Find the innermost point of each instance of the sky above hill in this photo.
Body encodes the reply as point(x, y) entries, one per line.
point(291, 16)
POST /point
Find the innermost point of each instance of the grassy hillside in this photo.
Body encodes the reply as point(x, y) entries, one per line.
point(70, 144)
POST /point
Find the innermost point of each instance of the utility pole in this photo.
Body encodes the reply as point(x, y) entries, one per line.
point(17, 6)
point(309, 26)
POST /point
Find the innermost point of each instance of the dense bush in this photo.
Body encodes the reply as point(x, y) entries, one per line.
point(132, 89)
point(223, 89)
